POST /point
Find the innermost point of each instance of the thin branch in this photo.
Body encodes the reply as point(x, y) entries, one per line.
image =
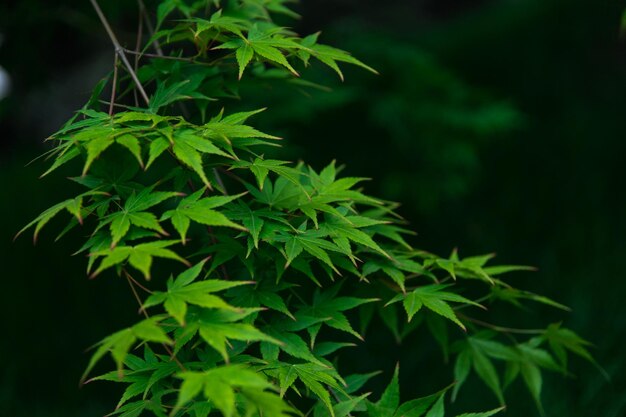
point(232, 175)
point(130, 281)
point(119, 50)
point(144, 13)
point(114, 86)
point(479, 300)
point(137, 283)
point(137, 46)
point(160, 54)
point(168, 57)
point(219, 180)
point(337, 398)
point(148, 55)
point(118, 105)
point(500, 328)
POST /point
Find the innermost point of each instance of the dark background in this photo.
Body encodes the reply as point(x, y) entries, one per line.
point(498, 124)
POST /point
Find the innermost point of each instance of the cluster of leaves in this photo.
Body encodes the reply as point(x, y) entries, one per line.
point(261, 260)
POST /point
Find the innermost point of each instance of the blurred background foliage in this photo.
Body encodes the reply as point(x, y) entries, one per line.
point(498, 124)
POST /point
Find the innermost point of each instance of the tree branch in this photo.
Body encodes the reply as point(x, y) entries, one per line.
point(114, 86)
point(137, 48)
point(131, 280)
point(159, 56)
point(144, 13)
point(500, 328)
point(120, 51)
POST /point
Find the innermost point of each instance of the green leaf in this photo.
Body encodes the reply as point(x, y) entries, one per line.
point(133, 213)
point(562, 340)
point(437, 410)
point(201, 211)
point(216, 327)
point(330, 309)
point(44, 218)
point(461, 371)
point(504, 269)
point(220, 23)
point(120, 343)
point(189, 147)
point(261, 168)
point(390, 399)
point(417, 407)
point(533, 380)
point(329, 55)
point(294, 345)
point(354, 234)
point(182, 90)
point(65, 153)
point(484, 414)
point(191, 158)
point(244, 55)
point(157, 147)
point(313, 376)
point(513, 295)
point(344, 408)
point(355, 382)
point(309, 379)
point(133, 409)
point(435, 299)
point(266, 45)
point(220, 384)
point(95, 147)
point(275, 302)
point(131, 143)
point(139, 256)
point(293, 248)
point(182, 292)
point(273, 54)
point(72, 205)
point(253, 220)
point(487, 372)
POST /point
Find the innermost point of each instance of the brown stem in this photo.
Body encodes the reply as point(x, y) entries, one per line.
point(218, 178)
point(148, 55)
point(500, 328)
point(480, 300)
point(144, 13)
point(118, 105)
point(160, 54)
point(211, 234)
point(119, 50)
point(114, 86)
point(138, 284)
point(232, 175)
point(130, 281)
point(137, 46)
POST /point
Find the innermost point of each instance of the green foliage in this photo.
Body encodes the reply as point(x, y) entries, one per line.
point(284, 254)
point(429, 406)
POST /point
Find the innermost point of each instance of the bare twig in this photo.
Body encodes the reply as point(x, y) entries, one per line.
point(220, 183)
point(134, 290)
point(119, 50)
point(137, 283)
point(137, 46)
point(131, 282)
point(144, 13)
point(480, 300)
point(337, 398)
point(500, 328)
point(114, 86)
point(118, 105)
point(174, 58)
